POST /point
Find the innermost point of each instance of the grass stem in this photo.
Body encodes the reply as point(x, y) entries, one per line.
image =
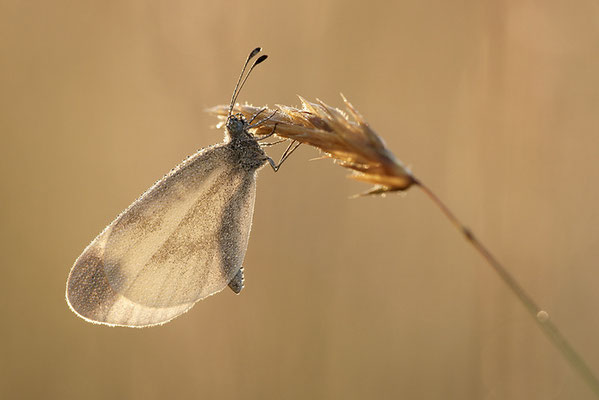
point(540, 316)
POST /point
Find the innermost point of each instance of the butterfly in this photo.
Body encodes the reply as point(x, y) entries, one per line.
point(181, 241)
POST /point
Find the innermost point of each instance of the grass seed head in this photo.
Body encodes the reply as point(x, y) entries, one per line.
point(343, 136)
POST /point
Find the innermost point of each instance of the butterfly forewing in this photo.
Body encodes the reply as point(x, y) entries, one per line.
point(181, 241)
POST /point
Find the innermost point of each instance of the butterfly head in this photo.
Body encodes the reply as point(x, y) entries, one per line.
point(236, 126)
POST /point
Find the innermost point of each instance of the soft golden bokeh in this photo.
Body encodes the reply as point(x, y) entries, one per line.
point(492, 103)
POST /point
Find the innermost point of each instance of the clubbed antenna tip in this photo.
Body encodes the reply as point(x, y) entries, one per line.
point(241, 80)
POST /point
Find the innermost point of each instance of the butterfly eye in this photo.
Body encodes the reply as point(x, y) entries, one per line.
point(235, 124)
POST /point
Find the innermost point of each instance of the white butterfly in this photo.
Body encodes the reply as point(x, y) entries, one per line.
point(184, 239)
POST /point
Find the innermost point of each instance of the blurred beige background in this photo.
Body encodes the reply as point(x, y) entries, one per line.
point(494, 104)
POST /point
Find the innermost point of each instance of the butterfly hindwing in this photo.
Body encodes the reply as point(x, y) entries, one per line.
point(182, 240)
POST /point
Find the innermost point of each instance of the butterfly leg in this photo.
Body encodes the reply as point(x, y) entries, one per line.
point(256, 115)
point(274, 129)
point(290, 149)
point(250, 126)
point(236, 283)
point(268, 144)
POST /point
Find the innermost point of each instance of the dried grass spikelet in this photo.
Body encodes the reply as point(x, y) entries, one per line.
point(349, 141)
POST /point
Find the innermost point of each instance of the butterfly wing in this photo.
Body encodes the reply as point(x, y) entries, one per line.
point(182, 240)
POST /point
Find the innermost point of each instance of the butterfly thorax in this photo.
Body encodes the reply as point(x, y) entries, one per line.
point(245, 149)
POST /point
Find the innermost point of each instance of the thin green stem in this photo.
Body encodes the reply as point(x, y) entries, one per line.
point(539, 315)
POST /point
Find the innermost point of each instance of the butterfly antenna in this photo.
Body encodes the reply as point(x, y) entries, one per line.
point(241, 81)
point(252, 55)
